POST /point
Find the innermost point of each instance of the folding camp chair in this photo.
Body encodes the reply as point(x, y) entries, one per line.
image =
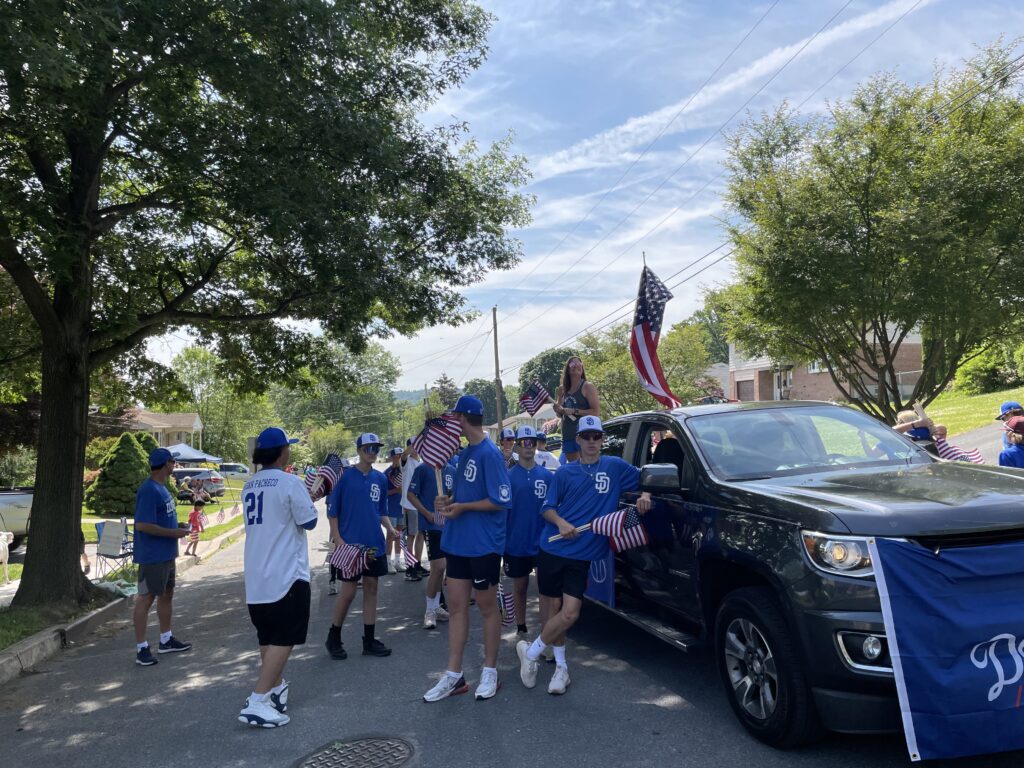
point(114, 550)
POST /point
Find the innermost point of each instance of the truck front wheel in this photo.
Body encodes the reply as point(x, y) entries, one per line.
point(762, 671)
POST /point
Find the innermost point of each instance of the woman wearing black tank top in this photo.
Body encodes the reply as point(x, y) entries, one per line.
point(576, 397)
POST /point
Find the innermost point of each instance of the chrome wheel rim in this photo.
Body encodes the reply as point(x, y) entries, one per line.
point(751, 667)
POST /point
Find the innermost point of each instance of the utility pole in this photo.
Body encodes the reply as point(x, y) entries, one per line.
point(497, 370)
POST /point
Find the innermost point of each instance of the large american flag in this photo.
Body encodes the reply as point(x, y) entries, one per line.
point(534, 397)
point(622, 527)
point(351, 559)
point(438, 441)
point(643, 341)
point(331, 470)
point(951, 452)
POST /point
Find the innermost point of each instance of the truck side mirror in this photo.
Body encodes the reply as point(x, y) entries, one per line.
point(659, 478)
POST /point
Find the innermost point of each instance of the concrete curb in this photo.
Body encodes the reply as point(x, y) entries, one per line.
point(25, 654)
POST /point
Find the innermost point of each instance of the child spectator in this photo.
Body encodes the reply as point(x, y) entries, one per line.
point(195, 527)
point(908, 423)
point(1013, 454)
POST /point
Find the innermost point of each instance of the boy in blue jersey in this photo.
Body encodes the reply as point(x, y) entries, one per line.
point(358, 509)
point(579, 492)
point(473, 541)
point(423, 493)
point(530, 483)
point(155, 550)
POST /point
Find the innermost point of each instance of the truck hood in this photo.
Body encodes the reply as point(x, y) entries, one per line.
point(917, 500)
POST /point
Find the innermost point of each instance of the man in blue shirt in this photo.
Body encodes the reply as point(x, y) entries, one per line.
point(154, 550)
point(358, 509)
point(473, 541)
point(579, 492)
point(530, 483)
point(423, 493)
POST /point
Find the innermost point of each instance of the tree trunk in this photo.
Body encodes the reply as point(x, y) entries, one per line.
point(53, 575)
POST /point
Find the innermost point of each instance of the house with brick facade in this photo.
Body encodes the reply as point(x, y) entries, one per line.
point(759, 378)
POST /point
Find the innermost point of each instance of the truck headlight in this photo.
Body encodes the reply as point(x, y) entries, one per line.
point(842, 555)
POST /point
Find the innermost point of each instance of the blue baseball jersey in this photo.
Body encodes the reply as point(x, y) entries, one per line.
point(579, 493)
point(359, 502)
point(154, 504)
point(529, 491)
point(1012, 456)
point(424, 485)
point(394, 499)
point(481, 474)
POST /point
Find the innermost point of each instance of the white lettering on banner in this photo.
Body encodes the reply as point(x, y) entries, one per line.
point(540, 488)
point(989, 654)
point(470, 473)
point(602, 482)
point(375, 492)
point(598, 571)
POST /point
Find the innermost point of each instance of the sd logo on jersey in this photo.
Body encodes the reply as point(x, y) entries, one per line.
point(375, 493)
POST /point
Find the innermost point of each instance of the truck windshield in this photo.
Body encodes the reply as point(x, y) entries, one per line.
point(774, 442)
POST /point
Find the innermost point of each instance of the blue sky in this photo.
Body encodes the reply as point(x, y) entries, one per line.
point(607, 100)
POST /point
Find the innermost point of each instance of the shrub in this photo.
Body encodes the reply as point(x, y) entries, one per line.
point(96, 450)
point(994, 369)
point(18, 467)
point(122, 471)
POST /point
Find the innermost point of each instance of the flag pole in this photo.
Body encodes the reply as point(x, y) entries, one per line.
point(497, 369)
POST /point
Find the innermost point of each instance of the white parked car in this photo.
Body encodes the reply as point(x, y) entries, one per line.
point(235, 472)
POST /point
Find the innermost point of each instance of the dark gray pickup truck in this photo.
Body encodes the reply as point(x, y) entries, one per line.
point(758, 549)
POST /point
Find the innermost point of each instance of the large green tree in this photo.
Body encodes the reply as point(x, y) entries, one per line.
point(224, 165)
point(896, 219)
point(484, 389)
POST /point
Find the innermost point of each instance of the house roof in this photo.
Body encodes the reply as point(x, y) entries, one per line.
point(150, 420)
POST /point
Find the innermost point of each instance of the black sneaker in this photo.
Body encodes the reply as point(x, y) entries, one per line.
point(336, 648)
point(412, 575)
point(144, 658)
point(375, 648)
point(421, 570)
point(174, 645)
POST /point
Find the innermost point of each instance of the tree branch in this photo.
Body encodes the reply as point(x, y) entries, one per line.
point(24, 278)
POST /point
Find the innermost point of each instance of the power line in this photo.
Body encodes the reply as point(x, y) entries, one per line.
point(475, 357)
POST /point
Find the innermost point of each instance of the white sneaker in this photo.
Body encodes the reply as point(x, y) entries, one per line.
point(260, 714)
point(399, 566)
point(559, 681)
point(429, 620)
point(527, 668)
point(488, 686)
point(446, 686)
point(441, 614)
point(279, 701)
point(391, 567)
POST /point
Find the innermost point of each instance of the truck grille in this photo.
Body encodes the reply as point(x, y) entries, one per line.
point(973, 539)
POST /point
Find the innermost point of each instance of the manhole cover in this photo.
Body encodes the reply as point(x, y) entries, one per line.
point(360, 753)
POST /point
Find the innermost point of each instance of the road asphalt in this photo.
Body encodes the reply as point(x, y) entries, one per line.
point(634, 700)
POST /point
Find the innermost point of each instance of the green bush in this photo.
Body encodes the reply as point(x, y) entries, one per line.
point(96, 450)
point(994, 369)
point(147, 442)
point(18, 467)
point(122, 471)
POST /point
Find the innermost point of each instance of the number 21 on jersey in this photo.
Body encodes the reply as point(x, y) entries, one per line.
point(254, 508)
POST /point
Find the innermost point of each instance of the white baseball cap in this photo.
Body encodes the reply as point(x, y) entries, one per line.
point(589, 424)
point(526, 431)
point(367, 438)
point(508, 433)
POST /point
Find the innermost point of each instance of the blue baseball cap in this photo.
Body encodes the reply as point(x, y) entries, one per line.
point(469, 404)
point(1005, 408)
point(159, 456)
point(367, 438)
point(541, 435)
point(274, 437)
point(589, 424)
point(526, 432)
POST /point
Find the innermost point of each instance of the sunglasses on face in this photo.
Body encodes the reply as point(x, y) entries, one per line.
point(591, 436)
point(371, 448)
point(528, 442)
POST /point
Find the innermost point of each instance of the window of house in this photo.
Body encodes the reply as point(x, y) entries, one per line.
point(818, 366)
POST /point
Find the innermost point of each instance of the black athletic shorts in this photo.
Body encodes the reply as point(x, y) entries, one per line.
point(156, 578)
point(378, 568)
point(516, 567)
point(484, 571)
point(557, 575)
point(434, 551)
point(284, 622)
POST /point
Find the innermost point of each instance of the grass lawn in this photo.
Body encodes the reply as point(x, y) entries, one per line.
point(961, 413)
point(18, 623)
point(14, 571)
point(216, 530)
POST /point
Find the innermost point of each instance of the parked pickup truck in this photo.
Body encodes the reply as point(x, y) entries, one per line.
point(758, 549)
point(15, 509)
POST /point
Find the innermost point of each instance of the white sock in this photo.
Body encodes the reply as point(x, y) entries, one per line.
point(278, 688)
point(490, 669)
point(256, 697)
point(559, 655)
point(453, 675)
point(433, 603)
point(536, 649)
point(140, 646)
point(165, 636)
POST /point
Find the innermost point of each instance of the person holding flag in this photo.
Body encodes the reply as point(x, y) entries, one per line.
point(530, 483)
point(358, 508)
point(579, 492)
point(576, 397)
point(473, 541)
point(395, 511)
point(423, 493)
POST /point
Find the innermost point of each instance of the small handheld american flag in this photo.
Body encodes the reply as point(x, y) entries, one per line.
point(437, 517)
point(534, 397)
point(396, 478)
point(204, 520)
point(352, 559)
point(220, 517)
point(951, 452)
point(438, 441)
point(410, 558)
point(622, 527)
point(507, 606)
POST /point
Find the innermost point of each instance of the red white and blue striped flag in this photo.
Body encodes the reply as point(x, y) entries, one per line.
point(507, 606)
point(438, 441)
point(534, 397)
point(643, 341)
point(622, 527)
point(352, 559)
point(951, 452)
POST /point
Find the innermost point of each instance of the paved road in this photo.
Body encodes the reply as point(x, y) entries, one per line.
point(634, 700)
point(988, 438)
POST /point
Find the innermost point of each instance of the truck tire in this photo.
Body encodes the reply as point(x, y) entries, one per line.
point(762, 670)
